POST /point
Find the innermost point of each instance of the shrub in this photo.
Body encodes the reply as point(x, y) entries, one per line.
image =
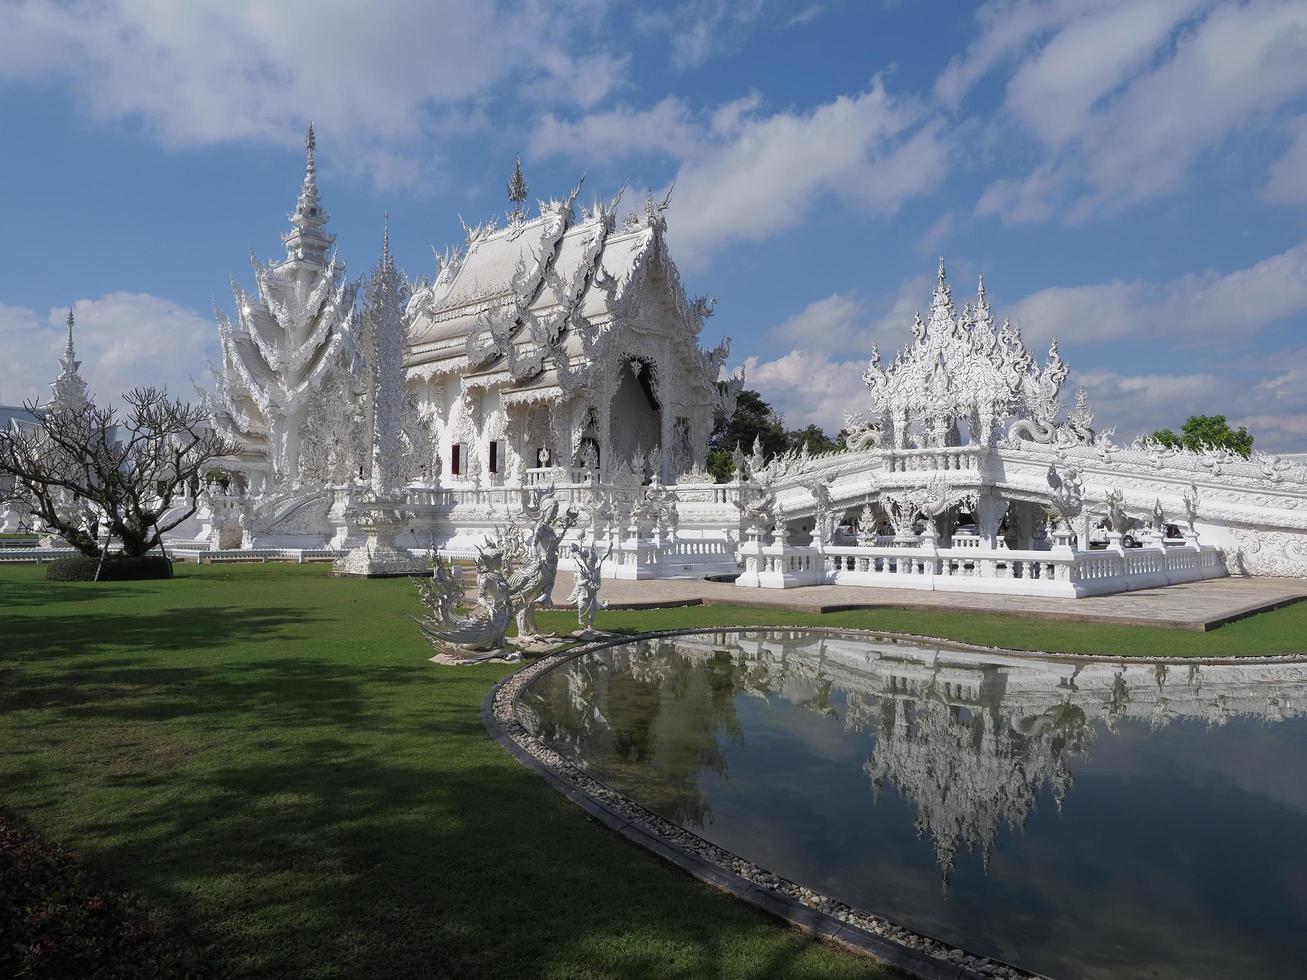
point(57, 920)
point(116, 569)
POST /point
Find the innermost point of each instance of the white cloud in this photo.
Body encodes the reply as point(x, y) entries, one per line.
point(1235, 304)
point(665, 129)
point(215, 70)
point(1125, 97)
point(745, 174)
point(1287, 181)
point(809, 387)
point(1055, 91)
point(699, 30)
point(1143, 403)
point(1006, 28)
point(123, 340)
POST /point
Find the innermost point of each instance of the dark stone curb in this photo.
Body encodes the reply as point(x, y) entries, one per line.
point(814, 921)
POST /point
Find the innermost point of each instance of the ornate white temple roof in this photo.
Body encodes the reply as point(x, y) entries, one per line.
point(529, 302)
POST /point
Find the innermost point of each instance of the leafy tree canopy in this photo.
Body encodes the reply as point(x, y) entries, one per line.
point(1200, 431)
point(755, 419)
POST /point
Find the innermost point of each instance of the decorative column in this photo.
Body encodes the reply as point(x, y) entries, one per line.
point(383, 516)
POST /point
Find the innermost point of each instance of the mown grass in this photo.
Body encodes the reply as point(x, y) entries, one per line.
point(265, 754)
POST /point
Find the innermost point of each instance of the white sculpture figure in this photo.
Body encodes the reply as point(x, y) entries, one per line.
point(533, 584)
point(440, 592)
point(1191, 505)
point(820, 490)
point(1116, 514)
point(585, 590)
point(483, 630)
point(1068, 490)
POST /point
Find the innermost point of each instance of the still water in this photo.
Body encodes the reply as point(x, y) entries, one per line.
point(1081, 820)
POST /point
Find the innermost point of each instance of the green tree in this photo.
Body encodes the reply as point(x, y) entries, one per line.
point(812, 436)
point(1199, 431)
point(753, 419)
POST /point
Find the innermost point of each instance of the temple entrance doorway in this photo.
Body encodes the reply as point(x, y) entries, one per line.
point(635, 415)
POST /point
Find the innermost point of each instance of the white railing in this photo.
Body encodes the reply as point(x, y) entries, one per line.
point(205, 556)
point(972, 568)
point(956, 458)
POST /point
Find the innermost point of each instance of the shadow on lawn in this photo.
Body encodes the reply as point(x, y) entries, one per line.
point(327, 818)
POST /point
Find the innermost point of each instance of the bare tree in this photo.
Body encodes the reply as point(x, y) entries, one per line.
point(82, 470)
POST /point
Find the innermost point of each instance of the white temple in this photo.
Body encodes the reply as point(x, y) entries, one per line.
point(560, 353)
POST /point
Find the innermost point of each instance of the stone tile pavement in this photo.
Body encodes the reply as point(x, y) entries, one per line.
point(1194, 606)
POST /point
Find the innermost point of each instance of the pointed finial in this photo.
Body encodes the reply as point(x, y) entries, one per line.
point(385, 235)
point(980, 285)
point(942, 275)
point(517, 184)
point(306, 239)
point(70, 331)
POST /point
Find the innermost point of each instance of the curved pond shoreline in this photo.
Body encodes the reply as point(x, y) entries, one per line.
point(857, 929)
point(850, 926)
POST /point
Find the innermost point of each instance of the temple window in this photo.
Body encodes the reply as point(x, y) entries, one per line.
point(456, 459)
point(494, 455)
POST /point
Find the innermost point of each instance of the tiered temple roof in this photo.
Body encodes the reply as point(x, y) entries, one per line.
point(528, 304)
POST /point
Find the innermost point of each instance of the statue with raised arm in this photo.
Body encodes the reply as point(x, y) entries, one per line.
point(585, 589)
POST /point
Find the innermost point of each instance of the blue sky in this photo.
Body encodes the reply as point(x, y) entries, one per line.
point(1130, 176)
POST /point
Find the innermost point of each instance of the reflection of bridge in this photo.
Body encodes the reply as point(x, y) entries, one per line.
point(973, 740)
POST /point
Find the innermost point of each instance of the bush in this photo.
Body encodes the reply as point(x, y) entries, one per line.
point(116, 569)
point(57, 920)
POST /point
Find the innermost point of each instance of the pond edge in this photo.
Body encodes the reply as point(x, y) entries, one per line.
point(819, 915)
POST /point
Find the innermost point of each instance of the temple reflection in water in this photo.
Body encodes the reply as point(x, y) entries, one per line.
point(971, 741)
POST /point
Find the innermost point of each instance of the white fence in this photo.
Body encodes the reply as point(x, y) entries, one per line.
point(969, 568)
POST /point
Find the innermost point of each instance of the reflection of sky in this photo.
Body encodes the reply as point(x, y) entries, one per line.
point(1179, 852)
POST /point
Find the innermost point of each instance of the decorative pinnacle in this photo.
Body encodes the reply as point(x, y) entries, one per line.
point(517, 184)
point(942, 276)
point(980, 286)
point(68, 351)
point(306, 239)
point(385, 241)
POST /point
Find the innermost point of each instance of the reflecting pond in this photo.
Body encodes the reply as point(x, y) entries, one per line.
point(1119, 819)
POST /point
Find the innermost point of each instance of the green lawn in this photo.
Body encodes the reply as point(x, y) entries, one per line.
point(264, 753)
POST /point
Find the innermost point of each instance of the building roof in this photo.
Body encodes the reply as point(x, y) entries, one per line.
point(16, 414)
point(528, 302)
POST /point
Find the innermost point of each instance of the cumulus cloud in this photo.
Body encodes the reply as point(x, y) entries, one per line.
point(1136, 404)
point(745, 174)
point(1287, 181)
point(123, 340)
point(1125, 97)
point(215, 70)
point(1189, 307)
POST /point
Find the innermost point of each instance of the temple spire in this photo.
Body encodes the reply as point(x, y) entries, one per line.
point(68, 391)
point(306, 240)
point(517, 190)
point(69, 360)
point(387, 260)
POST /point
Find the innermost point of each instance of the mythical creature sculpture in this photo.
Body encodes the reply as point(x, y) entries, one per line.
point(439, 592)
point(861, 434)
point(1116, 514)
point(1068, 490)
point(482, 631)
point(585, 589)
point(533, 583)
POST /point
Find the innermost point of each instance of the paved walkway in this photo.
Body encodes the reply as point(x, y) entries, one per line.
point(1194, 606)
